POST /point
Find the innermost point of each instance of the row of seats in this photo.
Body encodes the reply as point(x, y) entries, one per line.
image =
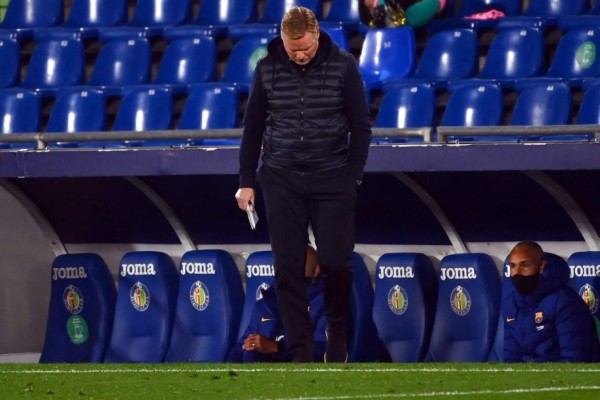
point(157, 315)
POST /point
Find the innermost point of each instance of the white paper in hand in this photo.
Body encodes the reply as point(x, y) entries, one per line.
point(252, 216)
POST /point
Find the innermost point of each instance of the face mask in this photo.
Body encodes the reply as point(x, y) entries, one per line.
point(525, 284)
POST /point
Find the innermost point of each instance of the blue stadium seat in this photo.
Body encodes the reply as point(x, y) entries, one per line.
point(77, 109)
point(514, 54)
point(145, 108)
point(404, 305)
point(575, 57)
point(209, 307)
point(86, 17)
point(23, 17)
point(470, 7)
point(121, 62)
point(54, 64)
point(145, 308)
point(468, 306)
point(20, 112)
point(10, 63)
point(242, 60)
point(260, 274)
point(386, 55)
point(585, 280)
point(187, 61)
point(150, 18)
point(210, 106)
point(364, 344)
point(216, 16)
point(544, 14)
point(82, 305)
point(410, 105)
point(589, 112)
point(269, 21)
point(345, 14)
point(338, 35)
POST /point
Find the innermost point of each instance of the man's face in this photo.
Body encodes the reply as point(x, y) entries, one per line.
point(302, 50)
point(525, 262)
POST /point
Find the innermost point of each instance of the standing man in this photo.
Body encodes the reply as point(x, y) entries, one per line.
point(308, 110)
point(544, 319)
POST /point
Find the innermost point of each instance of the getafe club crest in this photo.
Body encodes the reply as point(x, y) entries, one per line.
point(139, 295)
point(262, 286)
point(590, 296)
point(73, 299)
point(397, 300)
point(460, 301)
point(199, 296)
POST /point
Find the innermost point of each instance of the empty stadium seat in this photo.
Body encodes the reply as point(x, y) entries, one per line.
point(386, 55)
point(210, 106)
point(585, 279)
point(242, 60)
point(23, 17)
point(10, 63)
point(404, 304)
point(514, 54)
point(80, 315)
point(467, 310)
point(20, 112)
point(470, 7)
point(209, 307)
point(77, 109)
point(121, 62)
point(260, 274)
point(269, 21)
point(215, 16)
point(337, 34)
point(145, 308)
point(186, 61)
point(54, 64)
point(150, 18)
point(589, 112)
point(345, 14)
point(544, 14)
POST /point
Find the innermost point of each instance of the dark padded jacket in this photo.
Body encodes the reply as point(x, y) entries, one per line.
point(551, 324)
point(303, 115)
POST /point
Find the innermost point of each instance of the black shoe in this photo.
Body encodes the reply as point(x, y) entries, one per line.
point(336, 351)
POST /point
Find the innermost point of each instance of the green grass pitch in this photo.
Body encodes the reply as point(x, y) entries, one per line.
point(300, 381)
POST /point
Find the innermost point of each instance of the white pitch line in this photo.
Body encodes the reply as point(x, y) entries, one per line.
point(445, 394)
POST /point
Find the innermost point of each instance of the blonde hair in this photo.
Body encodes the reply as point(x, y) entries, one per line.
point(297, 21)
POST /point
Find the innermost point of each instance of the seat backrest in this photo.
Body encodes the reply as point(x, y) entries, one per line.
point(55, 63)
point(584, 275)
point(243, 58)
point(542, 103)
point(33, 14)
point(210, 106)
point(514, 54)
point(576, 55)
point(364, 344)
point(78, 110)
point(224, 13)
point(347, 11)
point(145, 109)
point(97, 13)
point(404, 305)
point(337, 34)
point(260, 274)
point(388, 54)
point(82, 304)
point(209, 307)
point(556, 8)
point(469, 7)
point(20, 111)
point(449, 55)
point(407, 105)
point(122, 62)
point(474, 104)
point(273, 10)
point(188, 60)
point(145, 308)
point(589, 112)
point(154, 13)
point(10, 62)
point(467, 310)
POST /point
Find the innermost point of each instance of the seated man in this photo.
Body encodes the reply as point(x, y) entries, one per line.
point(403, 12)
point(264, 339)
point(544, 319)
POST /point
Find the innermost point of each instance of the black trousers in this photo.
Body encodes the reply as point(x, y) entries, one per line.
point(326, 201)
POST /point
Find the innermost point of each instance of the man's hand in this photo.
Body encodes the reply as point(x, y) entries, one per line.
point(245, 198)
point(260, 343)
